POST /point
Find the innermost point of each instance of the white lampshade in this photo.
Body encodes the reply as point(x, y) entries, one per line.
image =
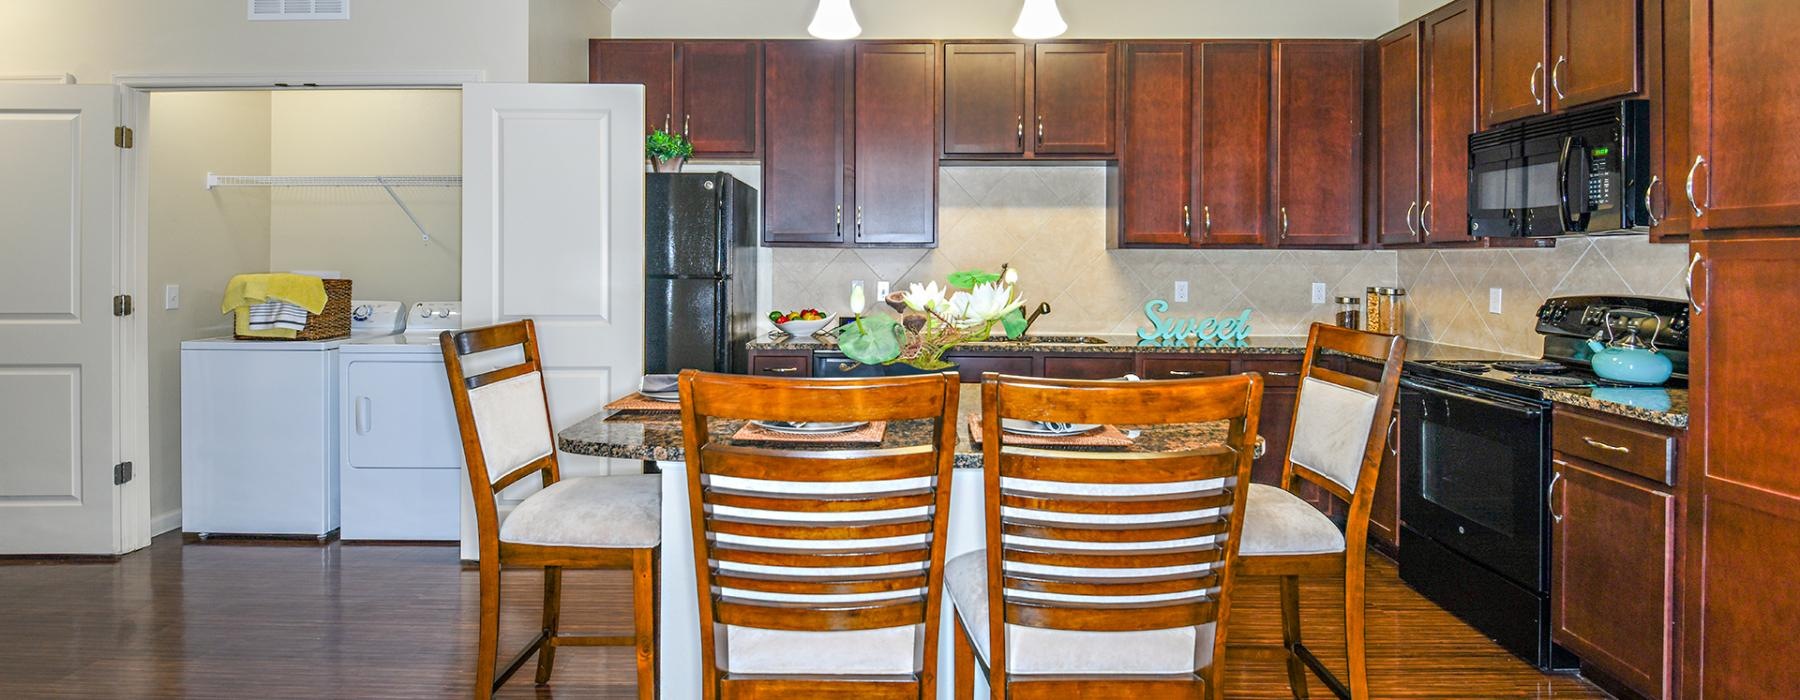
point(834, 20)
point(1040, 20)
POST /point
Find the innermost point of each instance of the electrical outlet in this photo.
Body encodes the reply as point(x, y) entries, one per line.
point(1319, 292)
point(1494, 300)
point(171, 296)
point(882, 289)
point(1181, 290)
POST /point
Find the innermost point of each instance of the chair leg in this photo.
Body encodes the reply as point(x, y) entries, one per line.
point(644, 619)
point(1354, 629)
point(964, 660)
point(1290, 634)
point(552, 610)
point(487, 645)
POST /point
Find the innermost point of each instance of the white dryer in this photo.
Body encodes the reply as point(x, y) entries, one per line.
point(400, 460)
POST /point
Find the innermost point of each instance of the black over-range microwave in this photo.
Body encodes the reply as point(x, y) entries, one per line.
point(1581, 172)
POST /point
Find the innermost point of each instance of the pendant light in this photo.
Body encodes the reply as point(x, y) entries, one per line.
point(1039, 19)
point(834, 20)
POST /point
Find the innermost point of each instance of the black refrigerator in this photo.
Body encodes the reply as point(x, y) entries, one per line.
point(699, 272)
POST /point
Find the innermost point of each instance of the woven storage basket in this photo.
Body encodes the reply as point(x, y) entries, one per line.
point(331, 323)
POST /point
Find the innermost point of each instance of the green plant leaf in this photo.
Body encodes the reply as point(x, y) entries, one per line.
point(1014, 323)
point(877, 340)
point(968, 279)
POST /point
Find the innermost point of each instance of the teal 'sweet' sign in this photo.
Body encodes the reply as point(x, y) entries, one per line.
point(1221, 330)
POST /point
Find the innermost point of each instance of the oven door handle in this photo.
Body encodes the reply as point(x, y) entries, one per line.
point(1503, 404)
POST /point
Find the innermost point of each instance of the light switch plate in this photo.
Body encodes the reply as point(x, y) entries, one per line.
point(882, 289)
point(1493, 300)
point(1319, 291)
point(1181, 290)
point(171, 296)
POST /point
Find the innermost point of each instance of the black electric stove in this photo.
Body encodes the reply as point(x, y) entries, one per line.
point(1475, 466)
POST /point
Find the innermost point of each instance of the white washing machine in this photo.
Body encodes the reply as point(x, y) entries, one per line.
point(400, 460)
point(259, 431)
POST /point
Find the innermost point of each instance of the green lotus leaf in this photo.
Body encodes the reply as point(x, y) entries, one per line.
point(872, 341)
point(967, 279)
point(1014, 323)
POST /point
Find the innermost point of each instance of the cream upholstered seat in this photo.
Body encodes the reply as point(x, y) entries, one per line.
point(1032, 650)
point(595, 511)
point(1280, 523)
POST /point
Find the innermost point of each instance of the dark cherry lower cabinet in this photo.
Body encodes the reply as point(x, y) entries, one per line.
point(1318, 164)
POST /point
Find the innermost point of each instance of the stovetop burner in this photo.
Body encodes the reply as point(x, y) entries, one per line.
point(1462, 366)
point(1532, 366)
point(1551, 381)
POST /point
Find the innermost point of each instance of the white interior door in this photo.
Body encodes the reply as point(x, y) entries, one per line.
point(58, 199)
point(553, 230)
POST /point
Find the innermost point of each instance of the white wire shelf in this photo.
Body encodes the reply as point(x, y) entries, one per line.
point(385, 182)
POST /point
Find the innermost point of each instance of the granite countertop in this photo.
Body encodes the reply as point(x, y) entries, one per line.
point(1102, 344)
point(1667, 407)
point(657, 435)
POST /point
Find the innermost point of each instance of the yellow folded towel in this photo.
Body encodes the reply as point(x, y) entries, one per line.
point(245, 291)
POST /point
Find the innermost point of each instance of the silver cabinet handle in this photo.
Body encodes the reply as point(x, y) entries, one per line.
point(1185, 373)
point(1650, 209)
point(1187, 220)
point(1690, 284)
point(665, 122)
point(1206, 218)
point(1021, 131)
point(1283, 374)
point(859, 221)
point(840, 219)
point(1040, 134)
point(1284, 223)
point(1555, 76)
point(1603, 446)
point(1550, 493)
point(1423, 225)
point(1695, 203)
point(1410, 231)
point(781, 370)
point(1393, 436)
point(1534, 84)
point(684, 124)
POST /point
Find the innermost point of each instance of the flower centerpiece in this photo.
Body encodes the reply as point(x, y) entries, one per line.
point(934, 319)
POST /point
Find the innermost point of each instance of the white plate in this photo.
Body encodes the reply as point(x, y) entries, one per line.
point(807, 428)
point(1031, 427)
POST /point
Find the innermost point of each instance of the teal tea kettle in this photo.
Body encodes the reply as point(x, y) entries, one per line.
point(1629, 359)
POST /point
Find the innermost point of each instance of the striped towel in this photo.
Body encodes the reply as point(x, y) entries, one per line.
point(277, 314)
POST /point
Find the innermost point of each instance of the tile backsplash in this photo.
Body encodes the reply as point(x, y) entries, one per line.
point(1050, 223)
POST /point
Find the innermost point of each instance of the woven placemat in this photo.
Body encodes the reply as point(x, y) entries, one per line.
point(638, 402)
point(1106, 436)
point(870, 434)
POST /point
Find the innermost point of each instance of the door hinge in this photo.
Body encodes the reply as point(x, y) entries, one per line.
point(122, 136)
point(122, 305)
point(121, 473)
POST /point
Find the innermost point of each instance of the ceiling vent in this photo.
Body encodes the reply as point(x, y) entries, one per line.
point(299, 9)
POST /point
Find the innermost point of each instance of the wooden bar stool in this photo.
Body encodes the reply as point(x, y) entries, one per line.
point(612, 522)
point(1112, 571)
point(1337, 442)
point(820, 567)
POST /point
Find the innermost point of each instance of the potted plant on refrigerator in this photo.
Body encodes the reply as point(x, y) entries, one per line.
point(933, 320)
point(667, 152)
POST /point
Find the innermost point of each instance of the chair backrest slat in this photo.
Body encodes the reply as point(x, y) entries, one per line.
point(504, 416)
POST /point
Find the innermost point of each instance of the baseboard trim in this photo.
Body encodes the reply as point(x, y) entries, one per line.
point(164, 522)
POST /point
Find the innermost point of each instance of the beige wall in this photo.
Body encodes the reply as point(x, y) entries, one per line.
point(1412, 9)
point(1448, 290)
point(199, 239)
point(994, 18)
point(96, 39)
point(560, 30)
point(1050, 223)
point(360, 231)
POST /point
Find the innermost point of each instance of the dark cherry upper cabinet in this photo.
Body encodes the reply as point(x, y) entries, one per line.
point(1668, 83)
point(1451, 101)
point(717, 92)
point(1743, 492)
point(805, 159)
point(1744, 110)
point(894, 132)
point(1155, 165)
point(1515, 45)
point(1318, 193)
point(1594, 46)
point(647, 63)
point(1075, 98)
point(984, 99)
point(1398, 154)
point(1230, 203)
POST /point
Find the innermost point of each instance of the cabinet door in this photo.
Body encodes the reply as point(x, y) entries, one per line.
point(1745, 107)
point(1231, 143)
point(1743, 501)
point(984, 99)
point(1155, 164)
point(1275, 424)
point(895, 132)
point(1668, 76)
point(1397, 195)
point(718, 90)
point(1075, 96)
point(1513, 79)
point(647, 63)
point(1596, 49)
point(1318, 135)
point(1384, 510)
point(1613, 573)
point(804, 155)
point(1088, 367)
point(1450, 117)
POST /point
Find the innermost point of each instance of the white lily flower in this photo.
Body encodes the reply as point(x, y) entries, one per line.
point(857, 304)
point(922, 297)
point(984, 304)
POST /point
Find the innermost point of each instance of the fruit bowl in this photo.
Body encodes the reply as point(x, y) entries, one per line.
point(798, 326)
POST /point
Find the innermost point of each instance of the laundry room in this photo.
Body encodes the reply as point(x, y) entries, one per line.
point(361, 186)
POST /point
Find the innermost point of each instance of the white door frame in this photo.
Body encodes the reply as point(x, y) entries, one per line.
point(132, 240)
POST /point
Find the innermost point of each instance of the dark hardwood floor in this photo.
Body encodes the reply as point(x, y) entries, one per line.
point(237, 620)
